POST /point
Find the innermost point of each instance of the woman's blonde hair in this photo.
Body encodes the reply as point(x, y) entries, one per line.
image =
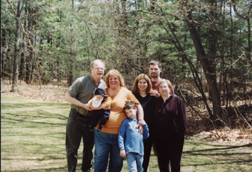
point(135, 88)
point(114, 72)
point(165, 81)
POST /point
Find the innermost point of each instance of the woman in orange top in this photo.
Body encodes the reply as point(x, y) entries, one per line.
point(106, 141)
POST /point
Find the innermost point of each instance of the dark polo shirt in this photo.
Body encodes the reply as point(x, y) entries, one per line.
point(83, 90)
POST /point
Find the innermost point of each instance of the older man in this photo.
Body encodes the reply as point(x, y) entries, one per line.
point(81, 91)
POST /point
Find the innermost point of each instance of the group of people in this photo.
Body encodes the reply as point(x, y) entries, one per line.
point(148, 114)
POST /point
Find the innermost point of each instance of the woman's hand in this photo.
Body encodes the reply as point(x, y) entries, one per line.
point(154, 93)
point(140, 128)
point(141, 121)
point(123, 153)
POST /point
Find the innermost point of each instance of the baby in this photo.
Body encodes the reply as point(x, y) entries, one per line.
point(130, 140)
point(101, 114)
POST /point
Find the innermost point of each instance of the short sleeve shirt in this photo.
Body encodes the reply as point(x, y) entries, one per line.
point(83, 90)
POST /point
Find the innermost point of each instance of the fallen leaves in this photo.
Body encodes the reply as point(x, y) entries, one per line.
point(235, 136)
point(48, 92)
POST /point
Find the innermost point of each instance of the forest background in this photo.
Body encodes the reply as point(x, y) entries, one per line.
point(204, 48)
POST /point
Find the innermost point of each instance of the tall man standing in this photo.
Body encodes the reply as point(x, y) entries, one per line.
point(80, 92)
point(155, 69)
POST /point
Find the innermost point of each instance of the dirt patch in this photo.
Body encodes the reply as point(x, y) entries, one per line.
point(48, 92)
point(199, 129)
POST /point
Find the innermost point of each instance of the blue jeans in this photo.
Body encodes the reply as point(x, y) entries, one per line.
point(107, 145)
point(135, 162)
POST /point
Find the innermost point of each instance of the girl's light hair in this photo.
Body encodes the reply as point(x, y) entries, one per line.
point(135, 88)
point(165, 81)
point(114, 72)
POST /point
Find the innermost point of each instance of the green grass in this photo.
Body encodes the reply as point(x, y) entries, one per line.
point(33, 139)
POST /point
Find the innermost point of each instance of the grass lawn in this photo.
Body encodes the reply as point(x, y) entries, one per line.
point(33, 139)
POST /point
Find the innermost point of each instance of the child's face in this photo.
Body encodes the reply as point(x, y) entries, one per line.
point(99, 97)
point(131, 113)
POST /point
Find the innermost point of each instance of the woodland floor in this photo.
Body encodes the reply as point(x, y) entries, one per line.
point(198, 129)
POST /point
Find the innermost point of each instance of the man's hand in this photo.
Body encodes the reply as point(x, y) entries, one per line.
point(102, 106)
point(76, 102)
point(154, 93)
point(123, 153)
point(87, 106)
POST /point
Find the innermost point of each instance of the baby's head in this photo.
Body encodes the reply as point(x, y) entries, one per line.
point(131, 110)
point(99, 97)
point(100, 94)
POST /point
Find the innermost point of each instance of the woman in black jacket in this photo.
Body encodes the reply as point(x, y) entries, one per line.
point(169, 128)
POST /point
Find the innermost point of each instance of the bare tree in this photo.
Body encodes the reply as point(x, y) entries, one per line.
point(17, 46)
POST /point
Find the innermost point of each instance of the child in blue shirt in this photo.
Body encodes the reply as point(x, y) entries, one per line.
point(130, 140)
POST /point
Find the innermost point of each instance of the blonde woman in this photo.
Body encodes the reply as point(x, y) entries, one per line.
point(106, 141)
point(169, 128)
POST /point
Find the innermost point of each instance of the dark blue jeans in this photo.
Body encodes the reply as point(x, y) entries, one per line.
point(106, 147)
point(77, 129)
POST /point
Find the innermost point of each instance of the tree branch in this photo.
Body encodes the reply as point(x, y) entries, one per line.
point(193, 22)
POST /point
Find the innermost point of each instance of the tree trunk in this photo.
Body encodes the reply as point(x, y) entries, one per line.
point(22, 65)
point(33, 67)
point(3, 43)
point(29, 56)
point(124, 19)
point(208, 71)
point(229, 88)
point(223, 72)
point(70, 77)
point(16, 51)
point(213, 88)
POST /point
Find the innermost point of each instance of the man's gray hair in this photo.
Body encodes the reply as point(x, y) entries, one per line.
point(93, 62)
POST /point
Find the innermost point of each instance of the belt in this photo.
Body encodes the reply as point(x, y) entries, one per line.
point(79, 114)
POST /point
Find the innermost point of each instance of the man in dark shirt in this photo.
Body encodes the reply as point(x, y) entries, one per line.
point(80, 92)
point(154, 70)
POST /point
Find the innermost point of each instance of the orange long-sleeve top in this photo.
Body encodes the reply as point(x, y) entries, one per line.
point(117, 114)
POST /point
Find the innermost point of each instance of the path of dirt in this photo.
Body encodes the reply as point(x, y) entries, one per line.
point(56, 92)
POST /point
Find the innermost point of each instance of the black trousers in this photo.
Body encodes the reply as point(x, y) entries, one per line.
point(147, 151)
point(77, 129)
point(169, 150)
